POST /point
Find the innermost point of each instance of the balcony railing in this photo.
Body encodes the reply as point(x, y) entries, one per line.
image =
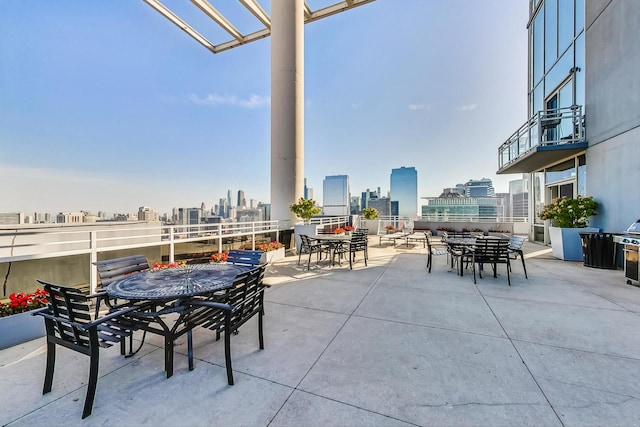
point(33, 242)
point(545, 128)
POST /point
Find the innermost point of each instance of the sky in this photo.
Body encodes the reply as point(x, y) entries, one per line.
point(108, 106)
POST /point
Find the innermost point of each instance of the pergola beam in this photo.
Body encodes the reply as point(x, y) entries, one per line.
point(256, 10)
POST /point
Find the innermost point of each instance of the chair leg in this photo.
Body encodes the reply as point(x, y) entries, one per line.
point(51, 364)
point(227, 348)
point(524, 267)
point(93, 381)
point(473, 267)
point(190, 349)
point(508, 275)
point(260, 333)
point(168, 356)
point(429, 261)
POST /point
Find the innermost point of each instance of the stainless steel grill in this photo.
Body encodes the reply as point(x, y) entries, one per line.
point(631, 242)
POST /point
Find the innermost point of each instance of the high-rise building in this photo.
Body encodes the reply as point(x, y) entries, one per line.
point(335, 195)
point(354, 205)
point(70, 217)
point(479, 188)
point(519, 198)
point(382, 205)
point(242, 202)
point(404, 190)
point(583, 55)
point(145, 213)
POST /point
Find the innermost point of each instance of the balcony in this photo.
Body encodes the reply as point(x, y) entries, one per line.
point(386, 344)
point(547, 137)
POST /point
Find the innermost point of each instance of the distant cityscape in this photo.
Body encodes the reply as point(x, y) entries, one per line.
point(476, 198)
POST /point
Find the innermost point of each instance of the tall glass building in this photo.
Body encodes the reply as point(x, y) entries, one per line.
point(404, 190)
point(583, 131)
point(335, 195)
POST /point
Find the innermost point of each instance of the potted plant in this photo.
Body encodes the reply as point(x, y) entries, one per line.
point(569, 217)
point(338, 230)
point(348, 229)
point(370, 221)
point(273, 251)
point(304, 209)
point(370, 213)
point(17, 325)
point(219, 257)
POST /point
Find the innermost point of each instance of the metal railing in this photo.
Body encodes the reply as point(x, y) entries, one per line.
point(35, 242)
point(547, 128)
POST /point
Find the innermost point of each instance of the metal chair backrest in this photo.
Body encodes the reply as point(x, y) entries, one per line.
point(244, 257)
point(515, 243)
point(491, 251)
point(111, 270)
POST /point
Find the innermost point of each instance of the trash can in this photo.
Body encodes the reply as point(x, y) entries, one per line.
point(599, 250)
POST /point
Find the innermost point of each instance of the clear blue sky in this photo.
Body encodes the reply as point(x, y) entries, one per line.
point(106, 105)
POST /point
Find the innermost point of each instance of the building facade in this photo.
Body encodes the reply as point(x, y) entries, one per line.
point(335, 195)
point(404, 190)
point(472, 209)
point(584, 61)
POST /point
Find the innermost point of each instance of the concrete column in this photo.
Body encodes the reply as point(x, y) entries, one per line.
point(287, 106)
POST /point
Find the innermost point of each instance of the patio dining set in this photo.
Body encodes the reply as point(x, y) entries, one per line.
point(465, 250)
point(167, 302)
point(335, 246)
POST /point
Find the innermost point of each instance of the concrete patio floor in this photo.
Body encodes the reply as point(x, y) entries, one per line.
point(383, 345)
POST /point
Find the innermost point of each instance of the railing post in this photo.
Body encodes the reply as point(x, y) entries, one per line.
point(253, 236)
point(219, 237)
point(93, 257)
point(172, 248)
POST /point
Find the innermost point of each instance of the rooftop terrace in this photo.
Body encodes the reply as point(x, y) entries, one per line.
point(387, 344)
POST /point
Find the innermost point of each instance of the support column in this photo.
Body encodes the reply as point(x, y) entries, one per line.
point(287, 106)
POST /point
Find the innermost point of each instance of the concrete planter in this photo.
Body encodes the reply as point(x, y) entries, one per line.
point(272, 256)
point(566, 244)
point(19, 328)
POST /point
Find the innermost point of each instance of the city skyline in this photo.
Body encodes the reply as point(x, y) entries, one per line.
point(110, 107)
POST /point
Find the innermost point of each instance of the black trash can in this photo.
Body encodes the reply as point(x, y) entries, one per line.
point(599, 250)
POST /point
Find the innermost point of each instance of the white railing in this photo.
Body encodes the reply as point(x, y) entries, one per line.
point(33, 242)
point(545, 128)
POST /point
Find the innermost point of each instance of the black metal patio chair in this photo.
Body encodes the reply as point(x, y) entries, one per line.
point(492, 252)
point(68, 323)
point(114, 269)
point(433, 249)
point(515, 251)
point(243, 301)
point(310, 246)
point(358, 243)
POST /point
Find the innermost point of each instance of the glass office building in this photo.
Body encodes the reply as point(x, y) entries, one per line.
point(404, 190)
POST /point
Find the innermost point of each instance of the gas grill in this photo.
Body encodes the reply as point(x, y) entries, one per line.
point(631, 242)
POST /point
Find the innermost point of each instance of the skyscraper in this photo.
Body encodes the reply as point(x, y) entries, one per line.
point(479, 188)
point(335, 195)
point(242, 202)
point(404, 190)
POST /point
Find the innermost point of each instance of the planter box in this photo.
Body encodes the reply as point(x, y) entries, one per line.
point(272, 256)
point(566, 243)
point(19, 328)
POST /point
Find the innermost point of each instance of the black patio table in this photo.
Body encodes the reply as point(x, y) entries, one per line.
point(334, 241)
point(170, 290)
point(174, 283)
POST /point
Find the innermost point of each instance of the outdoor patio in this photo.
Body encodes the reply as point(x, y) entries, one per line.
point(387, 344)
